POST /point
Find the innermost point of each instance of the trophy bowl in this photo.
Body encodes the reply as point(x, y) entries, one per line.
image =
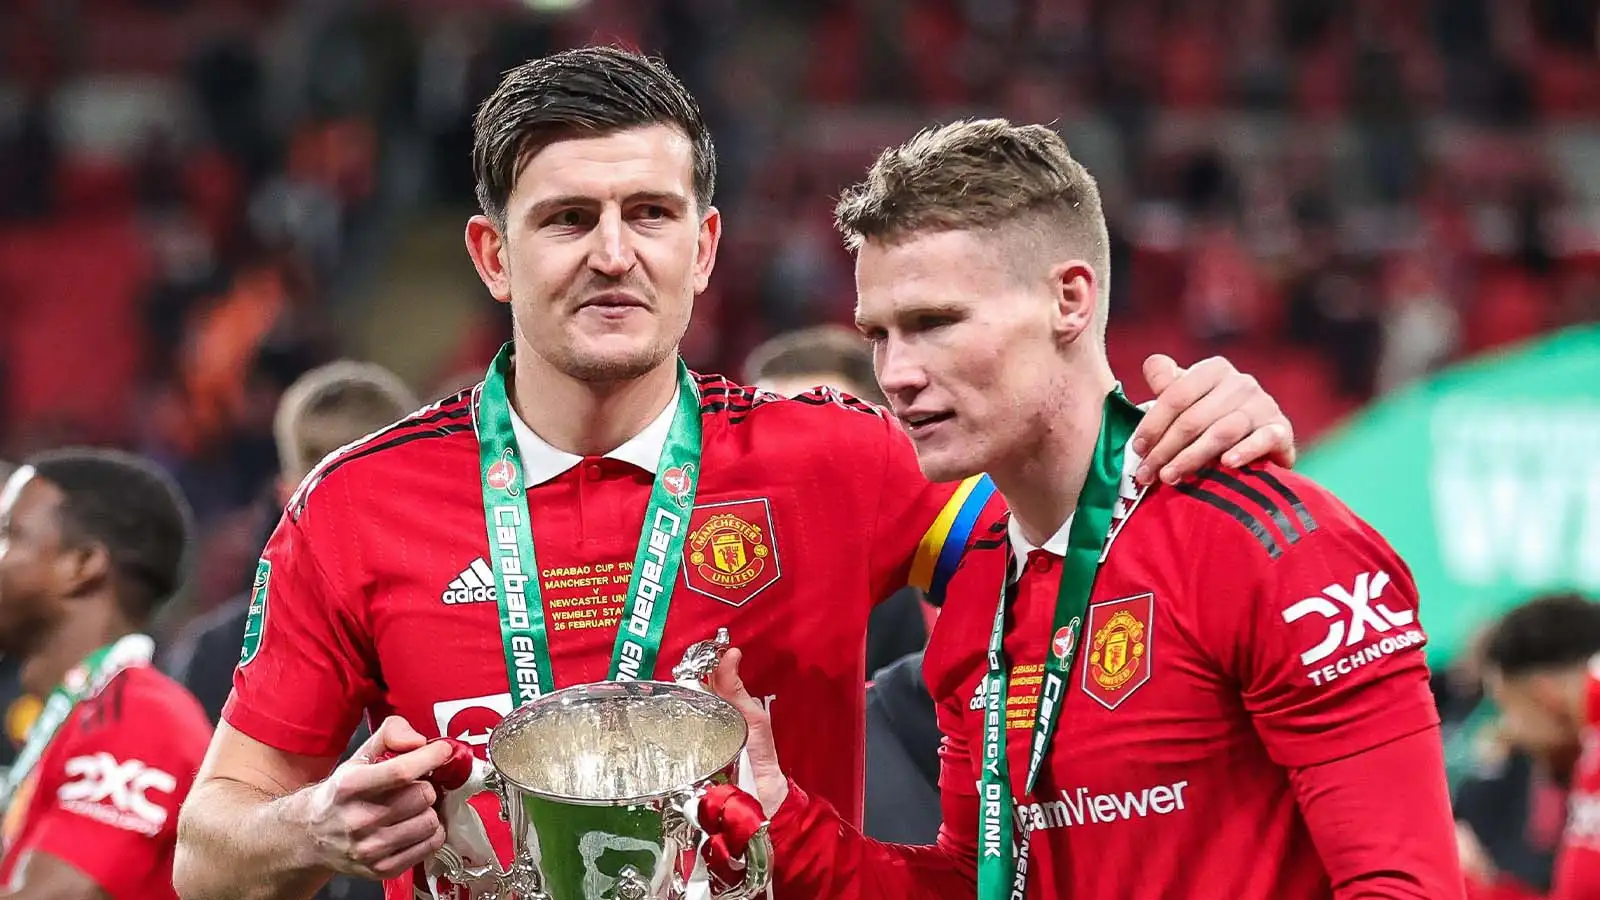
point(600, 782)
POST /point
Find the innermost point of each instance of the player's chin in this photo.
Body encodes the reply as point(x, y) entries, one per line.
point(616, 358)
point(941, 462)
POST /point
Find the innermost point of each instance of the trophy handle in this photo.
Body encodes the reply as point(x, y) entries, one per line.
point(487, 881)
point(700, 659)
point(757, 869)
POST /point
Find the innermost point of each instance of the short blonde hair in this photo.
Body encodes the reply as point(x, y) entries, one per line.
point(982, 174)
point(332, 405)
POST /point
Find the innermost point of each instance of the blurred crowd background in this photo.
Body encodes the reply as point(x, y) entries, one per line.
point(201, 199)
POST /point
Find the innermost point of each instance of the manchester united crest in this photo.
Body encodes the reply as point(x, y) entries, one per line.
point(1119, 648)
point(731, 553)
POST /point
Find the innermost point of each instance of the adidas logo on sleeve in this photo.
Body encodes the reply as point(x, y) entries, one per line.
point(475, 584)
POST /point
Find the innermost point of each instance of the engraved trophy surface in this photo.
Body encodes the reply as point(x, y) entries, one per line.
point(599, 783)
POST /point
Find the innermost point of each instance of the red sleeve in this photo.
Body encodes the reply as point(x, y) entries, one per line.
point(1577, 875)
point(304, 684)
point(817, 854)
point(922, 528)
point(122, 779)
point(1326, 644)
point(1381, 821)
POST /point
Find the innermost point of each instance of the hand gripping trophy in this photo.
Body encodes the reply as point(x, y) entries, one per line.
point(610, 789)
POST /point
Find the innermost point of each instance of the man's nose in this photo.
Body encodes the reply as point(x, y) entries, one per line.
point(611, 253)
point(900, 373)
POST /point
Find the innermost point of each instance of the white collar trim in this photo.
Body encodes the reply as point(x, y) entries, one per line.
point(543, 462)
point(1021, 547)
point(1129, 493)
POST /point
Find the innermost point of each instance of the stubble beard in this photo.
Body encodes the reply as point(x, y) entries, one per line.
point(608, 371)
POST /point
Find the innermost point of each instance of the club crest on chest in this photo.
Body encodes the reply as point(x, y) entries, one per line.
point(731, 554)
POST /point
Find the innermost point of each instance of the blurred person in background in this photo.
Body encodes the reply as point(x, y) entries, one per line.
point(1508, 807)
point(1542, 669)
point(325, 409)
point(20, 708)
point(1252, 718)
point(595, 175)
point(902, 783)
point(832, 356)
point(92, 543)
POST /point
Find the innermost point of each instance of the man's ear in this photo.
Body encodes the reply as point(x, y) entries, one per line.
point(1075, 290)
point(80, 568)
point(486, 246)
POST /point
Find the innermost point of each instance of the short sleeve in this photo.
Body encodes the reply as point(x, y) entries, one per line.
point(923, 528)
point(1327, 647)
point(121, 782)
point(305, 672)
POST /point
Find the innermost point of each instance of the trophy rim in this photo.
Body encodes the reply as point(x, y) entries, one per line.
point(654, 688)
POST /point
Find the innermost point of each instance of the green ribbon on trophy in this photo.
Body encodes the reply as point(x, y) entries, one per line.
point(1002, 865)
point(516, 572)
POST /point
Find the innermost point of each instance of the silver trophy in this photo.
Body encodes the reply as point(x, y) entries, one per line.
point(600, 783)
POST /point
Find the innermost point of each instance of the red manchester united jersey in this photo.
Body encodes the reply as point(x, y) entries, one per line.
point(375, 593)
point(104, 797)
point(1242, 626)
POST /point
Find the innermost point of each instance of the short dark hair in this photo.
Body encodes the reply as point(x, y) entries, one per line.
point(133, 509)
point(810, 351)
point(589, 91)
point(1549, 632)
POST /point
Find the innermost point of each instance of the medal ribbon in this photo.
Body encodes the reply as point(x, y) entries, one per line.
point(999, 875)
point(516, 570)
point(83, 681)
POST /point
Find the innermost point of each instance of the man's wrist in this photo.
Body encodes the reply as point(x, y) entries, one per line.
point(292, 813)
point(773, 796)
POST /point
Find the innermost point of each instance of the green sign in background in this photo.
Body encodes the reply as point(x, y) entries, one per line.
point(1485, 477)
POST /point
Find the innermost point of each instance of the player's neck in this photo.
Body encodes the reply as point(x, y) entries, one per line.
point(1043, 481)
point(90, 626)
point(588, 418)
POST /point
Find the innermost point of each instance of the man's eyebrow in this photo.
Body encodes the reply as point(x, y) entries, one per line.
point(548, 205)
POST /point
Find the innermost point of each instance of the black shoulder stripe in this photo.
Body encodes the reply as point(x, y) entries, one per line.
point(439, 415)
point(1255, 496)
point(106, 707)
point(735, 407)
point(1250, 521)
point(115, 689)
point(1282, 490)
point(371, 449)
point(994, 537)
point(830, 397)
point(462, 412)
